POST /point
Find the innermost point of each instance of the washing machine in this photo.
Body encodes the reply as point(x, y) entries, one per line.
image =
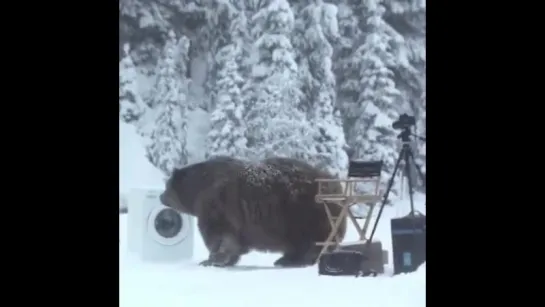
point(155, 232)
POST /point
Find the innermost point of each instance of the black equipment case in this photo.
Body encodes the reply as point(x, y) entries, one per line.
point(408, 242)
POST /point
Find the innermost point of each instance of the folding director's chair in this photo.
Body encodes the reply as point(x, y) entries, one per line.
point(358, 172)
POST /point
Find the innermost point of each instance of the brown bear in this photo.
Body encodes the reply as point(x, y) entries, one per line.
point(265, 206)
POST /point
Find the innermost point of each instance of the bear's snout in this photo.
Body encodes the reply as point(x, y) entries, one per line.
point(163, 199)
point(169, 199)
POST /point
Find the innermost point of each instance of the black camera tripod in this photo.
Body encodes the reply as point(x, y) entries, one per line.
point(406, 154)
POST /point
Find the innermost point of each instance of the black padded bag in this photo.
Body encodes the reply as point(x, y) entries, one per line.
point(342, 263)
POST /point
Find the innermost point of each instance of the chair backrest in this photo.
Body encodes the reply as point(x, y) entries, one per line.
point(365, 169)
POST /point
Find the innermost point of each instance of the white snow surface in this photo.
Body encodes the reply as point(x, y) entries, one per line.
point(254, 282)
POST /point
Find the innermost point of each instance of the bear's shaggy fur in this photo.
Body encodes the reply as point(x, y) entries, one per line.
point(243, 206)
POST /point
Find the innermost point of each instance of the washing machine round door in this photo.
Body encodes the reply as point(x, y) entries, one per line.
point(167, 226)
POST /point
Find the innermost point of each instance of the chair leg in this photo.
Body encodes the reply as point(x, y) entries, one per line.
point(334, 231)
point(367, 221)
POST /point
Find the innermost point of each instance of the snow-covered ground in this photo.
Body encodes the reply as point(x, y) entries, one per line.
point(254, 282)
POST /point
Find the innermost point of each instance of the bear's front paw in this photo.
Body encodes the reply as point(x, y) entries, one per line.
point(217, 260)
point(206, 262)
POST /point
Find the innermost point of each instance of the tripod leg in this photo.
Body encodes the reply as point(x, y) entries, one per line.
point(418, 169)
point(388, 188)
point(407, 155)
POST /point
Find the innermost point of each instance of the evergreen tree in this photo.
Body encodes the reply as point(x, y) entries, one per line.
point(131, 106)
point(407, 19)
point(275, 124)
point(227, 25)
point(141, 24)
point(347, 63)
point(167, 140)
point(318, 81)
point(373, 135)
point(226, 136)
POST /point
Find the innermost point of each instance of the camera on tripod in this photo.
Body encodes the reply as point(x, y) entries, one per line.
point(403, 122)
point(408, 233)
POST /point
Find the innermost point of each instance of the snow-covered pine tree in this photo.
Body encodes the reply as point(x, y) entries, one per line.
point(226, 25)
point(276, 127)
point(250, 56)
point(167, 141)
point(142, 25)
point(407, 19)
point(182, 66)
point(131, 106)
point(145, 24)
point(227, 129)
point(318, 82)
point(347, 64)
point(373, 135)
point(298, 33)
point(331, 144)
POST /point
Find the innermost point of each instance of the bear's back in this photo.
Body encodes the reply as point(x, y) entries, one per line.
point(273, 203)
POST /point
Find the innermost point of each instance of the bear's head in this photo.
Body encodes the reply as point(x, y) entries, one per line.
point(181, 189)
point(187, 184)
